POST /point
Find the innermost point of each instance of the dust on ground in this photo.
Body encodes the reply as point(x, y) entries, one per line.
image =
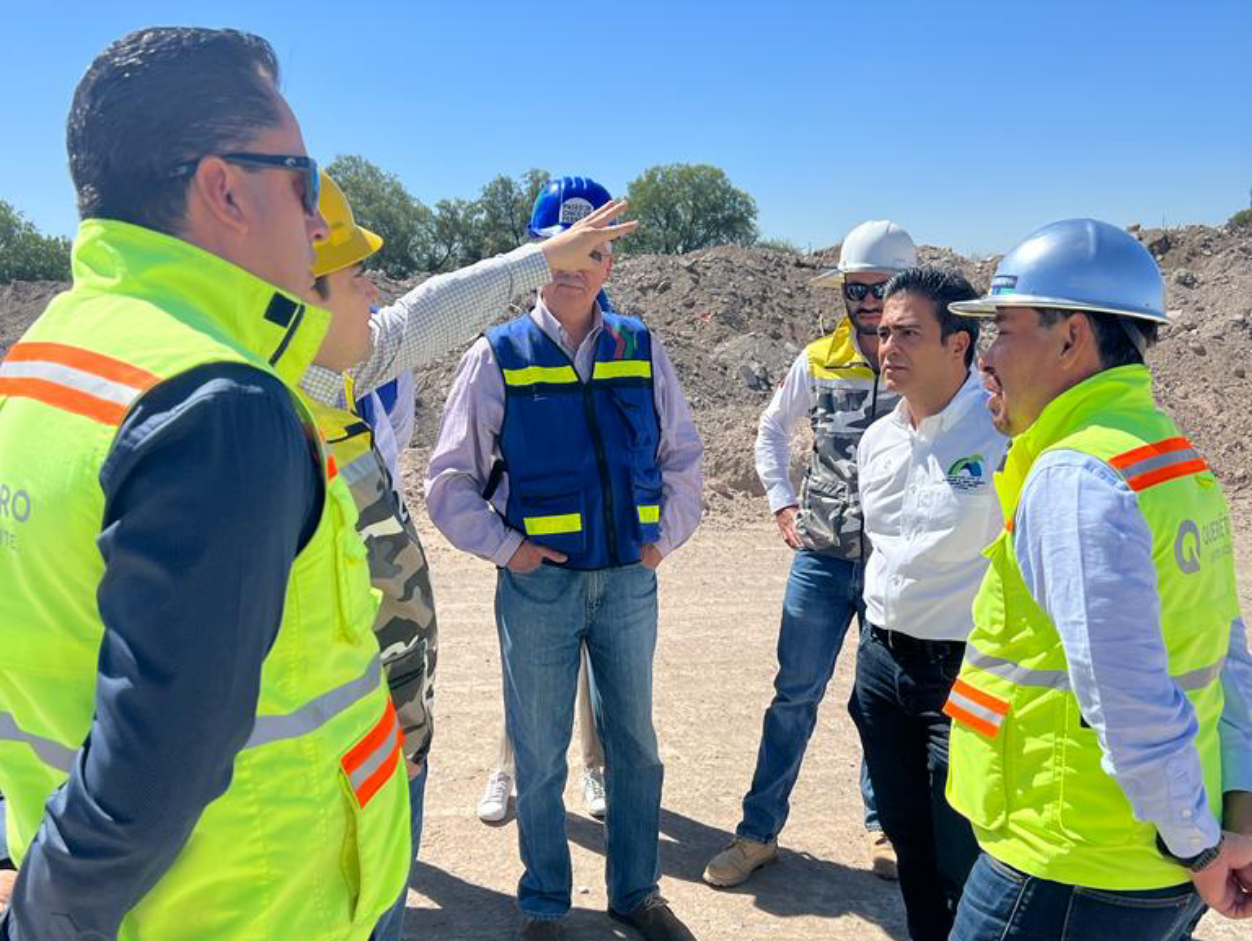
point(720, 601)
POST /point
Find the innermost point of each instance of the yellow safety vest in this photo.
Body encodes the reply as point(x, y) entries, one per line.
point(310, 840)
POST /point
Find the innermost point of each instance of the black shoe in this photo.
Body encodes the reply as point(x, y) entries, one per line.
point(654, 921)
point(538, 929)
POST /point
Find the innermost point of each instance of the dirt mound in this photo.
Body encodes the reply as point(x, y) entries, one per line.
point(20, 303)
point(734, 319)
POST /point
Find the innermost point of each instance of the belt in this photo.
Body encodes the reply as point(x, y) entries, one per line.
point(907, 644)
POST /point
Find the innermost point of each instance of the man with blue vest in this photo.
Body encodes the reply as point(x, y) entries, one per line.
point(195, 739)
point(1101, 737)
point(567, 456)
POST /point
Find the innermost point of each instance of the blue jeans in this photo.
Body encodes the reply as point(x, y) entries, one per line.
point(391, 926)
point(822, 595)
point(1002, 904)
point(543, 618)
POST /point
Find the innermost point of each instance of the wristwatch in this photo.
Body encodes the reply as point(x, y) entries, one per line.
point(1201, 860)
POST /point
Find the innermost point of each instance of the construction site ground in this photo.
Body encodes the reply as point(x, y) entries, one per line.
point(720, 600)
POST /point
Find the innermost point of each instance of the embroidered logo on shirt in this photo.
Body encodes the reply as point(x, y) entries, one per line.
point(968, 474)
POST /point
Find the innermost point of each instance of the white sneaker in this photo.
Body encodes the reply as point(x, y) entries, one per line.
point(593, 793)
point(494, 804)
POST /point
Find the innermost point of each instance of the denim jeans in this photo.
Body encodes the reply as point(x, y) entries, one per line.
point(391, 926)
point(1003, 904)
point(823, 593)
point(897, 705)
point(543, 618)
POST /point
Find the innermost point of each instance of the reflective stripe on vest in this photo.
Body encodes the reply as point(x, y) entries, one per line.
point(316, 713)
point(979, 710)
point(1059, 679)
point(553, 525)
point(622, 369)
point(76, 380)
point(51, 753)
point(304, 720)
point(650, 514)
point(1158, 462)
point(533, 375)
point(372, 761)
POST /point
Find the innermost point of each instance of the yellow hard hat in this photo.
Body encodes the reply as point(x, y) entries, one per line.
point(347, 242)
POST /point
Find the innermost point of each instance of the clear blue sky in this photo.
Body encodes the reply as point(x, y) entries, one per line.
point(970, 123)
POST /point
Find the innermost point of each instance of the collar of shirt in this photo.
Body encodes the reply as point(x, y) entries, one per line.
point(584, 355)
point(970, 393)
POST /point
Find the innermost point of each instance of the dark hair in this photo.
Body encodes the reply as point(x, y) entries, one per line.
point(155, 99)
point(321, 287)
point(941, 287)
point(1114, 343)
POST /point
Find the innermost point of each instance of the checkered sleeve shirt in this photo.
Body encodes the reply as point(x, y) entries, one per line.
point(439, 315)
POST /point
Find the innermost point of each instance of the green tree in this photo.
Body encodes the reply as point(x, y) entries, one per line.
point(504, 211)
point(682, 207)
point(1241, 219)
point(453, 239)
point(381, 203)
point(26, 254)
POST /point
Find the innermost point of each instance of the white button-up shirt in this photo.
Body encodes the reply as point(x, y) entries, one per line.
point(930, 510)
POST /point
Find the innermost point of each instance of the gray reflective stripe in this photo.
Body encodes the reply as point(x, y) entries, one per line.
point(359, 468)
point(1156, 462)
point(1198, 679)
point(1022, 676)
point(1059, 679)
point(50, 753)
point(376, 758)
point(317, 713)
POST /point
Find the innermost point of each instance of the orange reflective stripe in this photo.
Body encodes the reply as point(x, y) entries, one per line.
point(96, 363)
point(1158, 462)
point(1149, 451)
point(986, 700)
point(968, 718)
point(981, 711)
point(332, 469)
point(371, 761)
point(62, 397)
point(76, 380)
point(1151, 479)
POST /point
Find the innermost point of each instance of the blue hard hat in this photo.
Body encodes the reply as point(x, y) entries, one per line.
point(563, 202)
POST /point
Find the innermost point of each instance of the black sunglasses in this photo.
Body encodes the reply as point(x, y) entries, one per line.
point(306, 166)
point(858, 292)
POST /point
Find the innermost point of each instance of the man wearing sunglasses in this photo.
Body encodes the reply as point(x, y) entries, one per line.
point(834, 383)
point(195, 738)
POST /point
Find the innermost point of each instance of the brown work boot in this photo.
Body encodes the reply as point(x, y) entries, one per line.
point(655, 921)
point(882, 856)
point(738, 861)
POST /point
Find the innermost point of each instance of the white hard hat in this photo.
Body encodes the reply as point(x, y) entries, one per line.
point(878, 246)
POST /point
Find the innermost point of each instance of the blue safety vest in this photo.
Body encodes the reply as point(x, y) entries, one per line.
point(581, 457)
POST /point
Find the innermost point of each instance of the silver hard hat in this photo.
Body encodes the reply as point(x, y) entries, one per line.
point(1076, 264)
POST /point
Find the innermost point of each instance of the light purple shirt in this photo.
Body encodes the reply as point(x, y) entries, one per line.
point(467, 448)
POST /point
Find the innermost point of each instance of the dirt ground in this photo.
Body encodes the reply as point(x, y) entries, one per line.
point(720, 599)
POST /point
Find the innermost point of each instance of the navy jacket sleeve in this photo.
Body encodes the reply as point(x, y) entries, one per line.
point(211, 490)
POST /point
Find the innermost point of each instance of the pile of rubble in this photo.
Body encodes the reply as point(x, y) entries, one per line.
point(734, 319)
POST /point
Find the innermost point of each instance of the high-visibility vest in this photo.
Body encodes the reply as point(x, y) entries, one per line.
point(311, 839)
point(581, 457)
point(1025, 766)
point(408, 636)
point(846, 399)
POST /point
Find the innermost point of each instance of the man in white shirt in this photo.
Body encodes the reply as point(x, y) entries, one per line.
point(930, 509)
